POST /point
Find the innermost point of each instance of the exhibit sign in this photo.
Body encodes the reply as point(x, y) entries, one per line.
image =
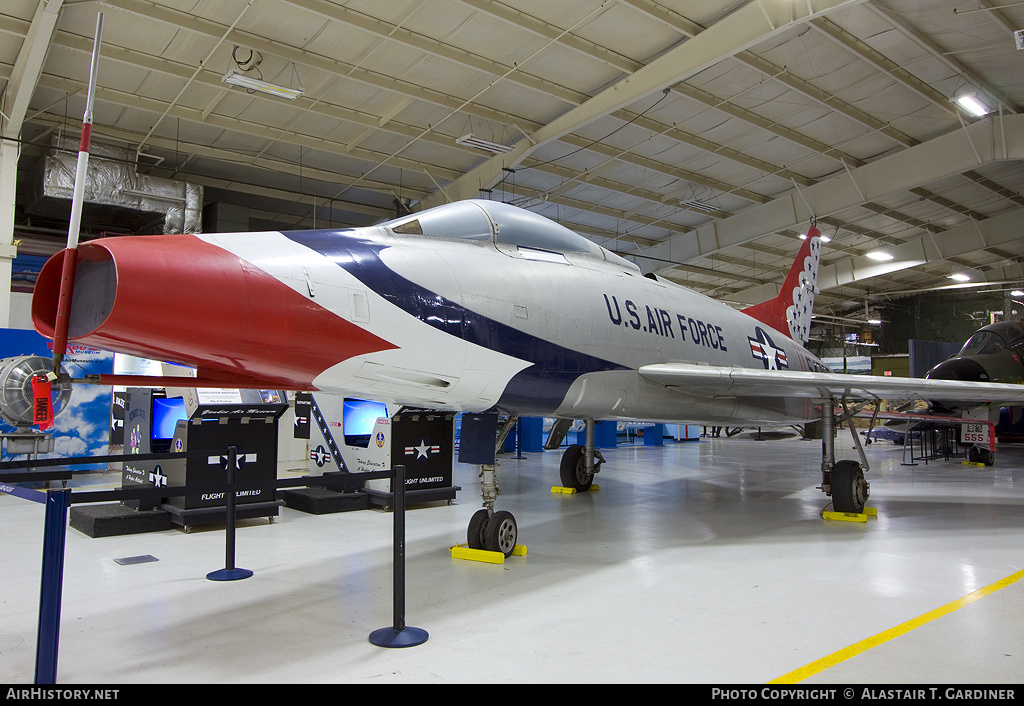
point(424, 441)
point(345, 435)
point(348, 435)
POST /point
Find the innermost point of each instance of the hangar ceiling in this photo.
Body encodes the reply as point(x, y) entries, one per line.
point(699, 137)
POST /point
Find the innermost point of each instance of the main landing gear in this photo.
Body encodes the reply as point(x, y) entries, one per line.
point(980, 454)
point(842, 480)
point(581, 463)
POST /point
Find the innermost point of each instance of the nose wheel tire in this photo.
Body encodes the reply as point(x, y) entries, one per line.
point(849, 489)
point(475, 533)
point(501, 533)
point(495, 533)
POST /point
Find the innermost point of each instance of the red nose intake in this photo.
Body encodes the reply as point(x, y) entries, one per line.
point(177, 298)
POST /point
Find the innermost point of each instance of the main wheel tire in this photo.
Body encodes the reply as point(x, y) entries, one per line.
point(501, 533)
point(849, 489)
point(572, 470)
point(475, 533)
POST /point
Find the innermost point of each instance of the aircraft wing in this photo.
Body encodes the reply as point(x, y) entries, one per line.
point(722, 381)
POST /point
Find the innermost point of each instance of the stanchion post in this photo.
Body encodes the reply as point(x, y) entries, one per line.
point(399, 634)
point(51, 585)
point(230, 572)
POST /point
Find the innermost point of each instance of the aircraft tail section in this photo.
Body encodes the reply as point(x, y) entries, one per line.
point(790, 311)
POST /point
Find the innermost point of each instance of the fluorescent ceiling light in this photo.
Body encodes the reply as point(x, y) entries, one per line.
point(699, 205)
point(972, 105)
point(823, 238)
point(255, 84)
point(960, 277)
point(1017, 293)
point(481, 144)
point(881, 255)
point(874, 321)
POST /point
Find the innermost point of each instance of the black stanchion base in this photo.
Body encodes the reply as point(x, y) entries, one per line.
point(229, 574)
point(406, 637)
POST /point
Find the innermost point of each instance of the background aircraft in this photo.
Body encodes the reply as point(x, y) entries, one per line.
point(479, 306)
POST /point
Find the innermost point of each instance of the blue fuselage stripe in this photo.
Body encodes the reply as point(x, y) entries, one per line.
point(538, 389)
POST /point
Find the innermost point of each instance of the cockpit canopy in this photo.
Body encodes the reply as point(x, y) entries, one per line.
point(994, 338)
point(485, 220)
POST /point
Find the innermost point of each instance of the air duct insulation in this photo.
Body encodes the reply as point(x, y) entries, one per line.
point(114, 181)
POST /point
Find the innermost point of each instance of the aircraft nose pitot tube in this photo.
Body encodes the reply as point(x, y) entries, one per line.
point(180, 299)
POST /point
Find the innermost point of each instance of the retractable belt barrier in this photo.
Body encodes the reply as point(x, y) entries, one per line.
point(58, 501)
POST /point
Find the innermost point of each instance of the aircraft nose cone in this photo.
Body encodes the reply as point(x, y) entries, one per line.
point(965, 369)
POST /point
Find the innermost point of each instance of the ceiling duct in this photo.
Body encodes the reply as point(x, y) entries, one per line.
point(114, 182)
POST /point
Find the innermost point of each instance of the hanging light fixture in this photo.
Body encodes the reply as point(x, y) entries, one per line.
point(251, 83)
point(970, 100)
point(972, 105)
point(471, 140)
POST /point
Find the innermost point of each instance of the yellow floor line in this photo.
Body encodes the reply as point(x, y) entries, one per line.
point(798, 675)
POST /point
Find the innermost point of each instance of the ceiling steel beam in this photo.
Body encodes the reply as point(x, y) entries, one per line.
point(933, 249)
point(29, 65)
point(395, 33)
point(751, 24)
point(991, 140)
point(901, 24)
point(301, 57)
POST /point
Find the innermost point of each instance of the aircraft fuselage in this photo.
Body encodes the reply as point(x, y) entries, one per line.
point(470, 307)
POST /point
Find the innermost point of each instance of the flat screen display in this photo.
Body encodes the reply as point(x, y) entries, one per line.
point(358, 418)
point(166, 413)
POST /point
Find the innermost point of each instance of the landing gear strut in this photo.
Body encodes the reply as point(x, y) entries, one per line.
point(490, 530)
point(842, 480)
point(580, 463)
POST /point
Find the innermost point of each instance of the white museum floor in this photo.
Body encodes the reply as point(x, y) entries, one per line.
point(696, 562)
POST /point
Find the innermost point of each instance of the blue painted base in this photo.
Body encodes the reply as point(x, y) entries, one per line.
point(229, 574)
point(389, 637)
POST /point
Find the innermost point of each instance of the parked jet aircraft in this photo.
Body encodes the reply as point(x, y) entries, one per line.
point(477, 306)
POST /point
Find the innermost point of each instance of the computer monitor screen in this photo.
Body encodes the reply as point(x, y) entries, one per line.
point(358, 418)
point(166, 413)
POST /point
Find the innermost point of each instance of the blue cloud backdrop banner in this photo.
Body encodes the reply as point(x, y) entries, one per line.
point(83, 427)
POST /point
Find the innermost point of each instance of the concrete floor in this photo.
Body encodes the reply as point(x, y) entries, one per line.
point(700, 562)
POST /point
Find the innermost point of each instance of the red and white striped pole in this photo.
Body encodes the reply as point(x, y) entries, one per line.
point(70, 261)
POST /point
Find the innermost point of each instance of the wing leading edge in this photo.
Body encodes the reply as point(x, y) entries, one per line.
point(724, 381)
